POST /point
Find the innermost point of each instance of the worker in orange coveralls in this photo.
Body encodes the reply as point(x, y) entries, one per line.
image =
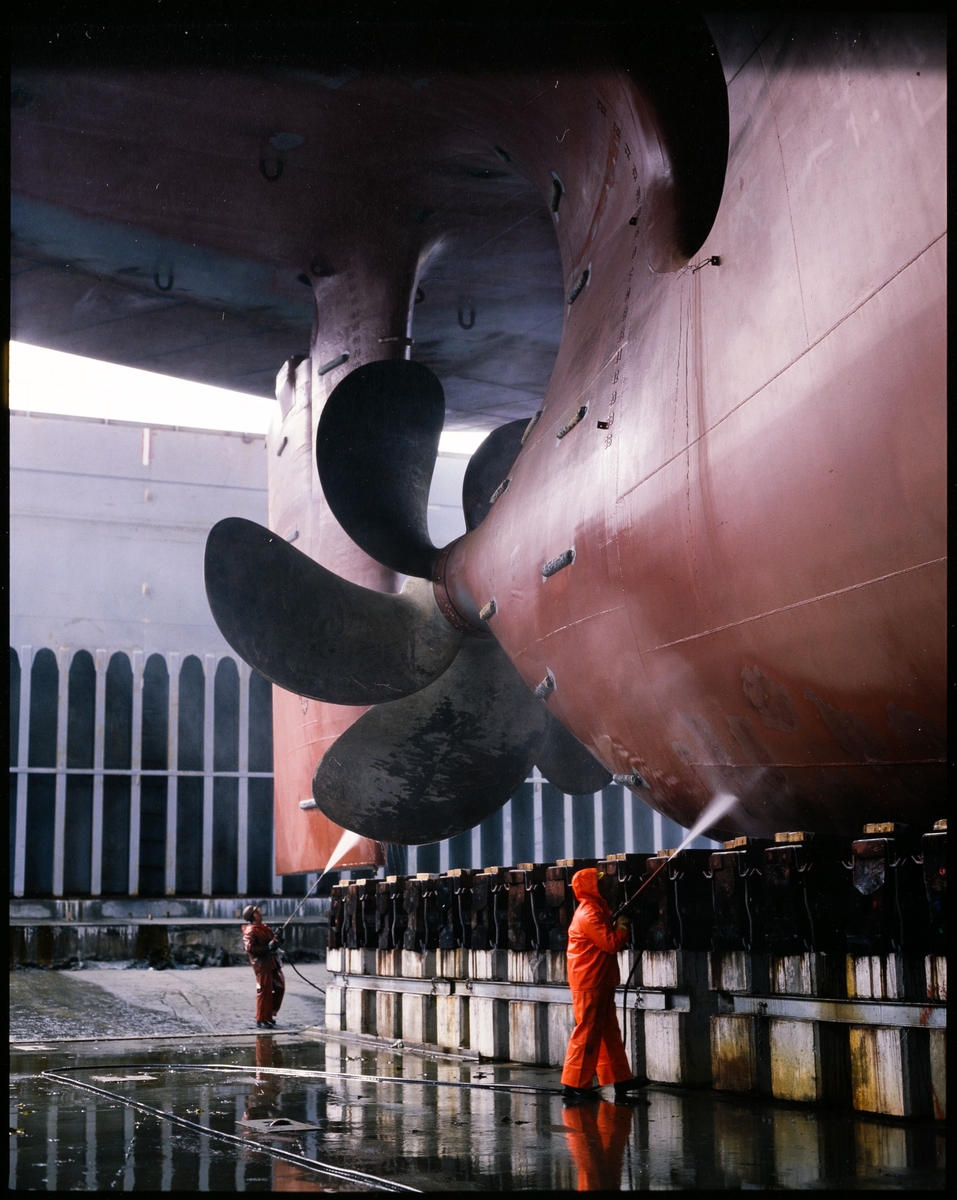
point(597, 1137)
point(262, 946)
point(593, 945)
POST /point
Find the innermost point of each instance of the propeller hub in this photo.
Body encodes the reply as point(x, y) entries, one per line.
point(455, 617)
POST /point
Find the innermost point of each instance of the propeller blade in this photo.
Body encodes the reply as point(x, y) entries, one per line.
point(487, 468)
point(376, 444)
point(565, 762)
point(317, 635)
point(435, 764)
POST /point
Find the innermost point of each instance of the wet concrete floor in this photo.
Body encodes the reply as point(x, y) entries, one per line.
point(171, 1113)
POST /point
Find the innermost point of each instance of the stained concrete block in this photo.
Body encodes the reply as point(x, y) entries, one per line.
point(360, 1010)
point(488, 964)
point(737, 971)
point(360, 962)
point(935, 969)
point(417, 965)
point(740, 1053)
point(488, 1026)
point(335, 1005)
point(938, 1073)
point(890, 1071)
point(452, 1022)
point(388, 1014)
point(561, 1022)
point(452, 964)
point(556, 967)
point(809, 974)
point(626, 960)
point(388, 963)
point(418, 1018)
point(885, 977)
point(527, 966)
point(334, 960)
point(528, 1031)
point(659, 968)
point(809, 1061)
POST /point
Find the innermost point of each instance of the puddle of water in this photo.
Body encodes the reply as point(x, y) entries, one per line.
point(425, 1135)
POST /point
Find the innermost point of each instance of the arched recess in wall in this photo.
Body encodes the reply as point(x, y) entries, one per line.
point(41, 789)
point(189, 820)
point(154, 789)
point(81, 724)
point(225, 787)
point(117, 758)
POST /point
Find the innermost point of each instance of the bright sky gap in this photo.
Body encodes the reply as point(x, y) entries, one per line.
point(49, 381)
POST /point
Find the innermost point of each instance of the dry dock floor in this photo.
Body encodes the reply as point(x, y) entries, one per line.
point(127, 1080)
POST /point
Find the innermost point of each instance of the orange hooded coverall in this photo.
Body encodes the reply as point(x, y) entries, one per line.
point(593, 945)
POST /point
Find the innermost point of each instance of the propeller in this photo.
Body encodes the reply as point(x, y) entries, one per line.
point(376, 444)
point(437, 763)
point(312, 633)
point(565, 762)
point(487, 470)
point(453, 730)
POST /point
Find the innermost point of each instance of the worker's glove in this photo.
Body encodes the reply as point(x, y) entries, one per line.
point(623, 923)
point(273, 946)
point(280, 939)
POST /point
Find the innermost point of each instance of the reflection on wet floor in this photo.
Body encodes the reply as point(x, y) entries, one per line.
point(407, 1120)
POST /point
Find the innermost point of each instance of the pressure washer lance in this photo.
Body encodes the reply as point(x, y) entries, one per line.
point(624, 910)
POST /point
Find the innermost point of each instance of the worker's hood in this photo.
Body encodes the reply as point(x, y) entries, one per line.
point(585, 886)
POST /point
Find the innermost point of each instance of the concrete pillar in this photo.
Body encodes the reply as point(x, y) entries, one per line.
point(360, 1010)
point(136, 762)
point(538, 824)
point(209, 702)
point(452, 1022)
point(488, 1026)
point(242, 822)
point(528, 1031)
point(418, 1018)
point(172, 764)
point(676, 1026)
point(334, 960)
point(23, 758)
point(59, 809)
point(99, 737)
point(935, 975)
point(388, 1014)
point(561, 1022)
point(334, 1007)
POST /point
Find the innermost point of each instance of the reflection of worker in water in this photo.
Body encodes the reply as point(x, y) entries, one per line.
point(595, 1045)
point(263, 1099)
point(597, 1137)
point(262, 946)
